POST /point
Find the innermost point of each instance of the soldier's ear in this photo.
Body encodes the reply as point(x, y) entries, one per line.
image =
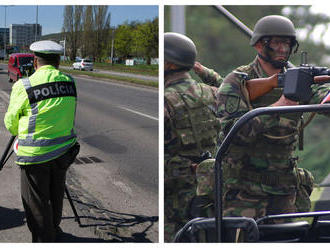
point(259, 46)
point(35, 62)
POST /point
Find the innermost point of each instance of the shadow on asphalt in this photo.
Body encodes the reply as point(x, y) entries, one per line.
point(119, 221)
point(69, 238)
point(11, 217)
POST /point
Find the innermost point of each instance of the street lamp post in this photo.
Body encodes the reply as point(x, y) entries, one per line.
point(35, 31)
point(4, 32)
point(4, 35)
point(112, 45)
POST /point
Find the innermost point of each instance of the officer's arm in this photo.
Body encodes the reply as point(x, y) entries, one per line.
point(15, 108)
point(208, 76)
point(232, 103)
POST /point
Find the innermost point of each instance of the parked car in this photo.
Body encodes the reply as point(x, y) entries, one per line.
point(20, 65)
point(83, 64)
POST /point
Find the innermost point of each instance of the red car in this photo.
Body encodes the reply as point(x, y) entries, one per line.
point(20, 65)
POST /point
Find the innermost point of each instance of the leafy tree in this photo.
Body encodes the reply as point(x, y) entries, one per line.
point(87, 48)
point(89, 34)
point(147, 37)
point(72, 27)
point(102, 28)
point(123, 41)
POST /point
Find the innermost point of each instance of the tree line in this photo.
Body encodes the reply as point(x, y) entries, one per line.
point(88, 33)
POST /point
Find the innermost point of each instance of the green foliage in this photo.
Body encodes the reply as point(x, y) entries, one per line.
point(315, 156)
point(88, 33)
point(137, 40)
point(223, 47)
point(123, 41)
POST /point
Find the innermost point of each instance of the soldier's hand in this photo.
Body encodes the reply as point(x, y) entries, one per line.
point(283, 101)
point(198, 68)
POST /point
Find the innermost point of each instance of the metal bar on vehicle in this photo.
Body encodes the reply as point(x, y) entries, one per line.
point(246, 30)
point(293, 215)
point(230, 136)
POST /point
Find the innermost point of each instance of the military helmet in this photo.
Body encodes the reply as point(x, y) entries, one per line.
point(179, 50)
point(273, 25)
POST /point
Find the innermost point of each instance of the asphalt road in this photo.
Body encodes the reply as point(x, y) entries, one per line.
point(118, 125)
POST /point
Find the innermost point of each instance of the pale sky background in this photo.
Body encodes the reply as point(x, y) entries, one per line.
point(51, 17)
point(317, 34)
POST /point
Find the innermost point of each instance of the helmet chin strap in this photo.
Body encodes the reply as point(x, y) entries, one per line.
point(275, 63)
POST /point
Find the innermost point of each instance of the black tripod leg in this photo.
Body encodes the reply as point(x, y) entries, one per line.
point(8, 157)
point(4, 157)
point(76, 217)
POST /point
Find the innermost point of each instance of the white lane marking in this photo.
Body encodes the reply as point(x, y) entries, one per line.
point(5, 96)
point(139, 113)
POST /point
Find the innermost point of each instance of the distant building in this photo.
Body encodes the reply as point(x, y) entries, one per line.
point(24, 34)
point(4, 31)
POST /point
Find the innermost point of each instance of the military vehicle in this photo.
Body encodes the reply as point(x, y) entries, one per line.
point(312, 228)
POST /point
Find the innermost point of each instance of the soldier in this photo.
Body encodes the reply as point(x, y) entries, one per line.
point(190, 129)
point(261, 176)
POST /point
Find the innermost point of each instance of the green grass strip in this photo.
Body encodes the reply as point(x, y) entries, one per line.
point(150, 70)
point(113, 77)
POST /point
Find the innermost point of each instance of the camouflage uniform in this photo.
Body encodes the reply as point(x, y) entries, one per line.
point(190, 129)
point(210, 77)
point(260, 173)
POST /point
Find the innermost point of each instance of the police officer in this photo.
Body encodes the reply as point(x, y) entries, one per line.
point(190, 129)
point(261, 176)
point(41, 113)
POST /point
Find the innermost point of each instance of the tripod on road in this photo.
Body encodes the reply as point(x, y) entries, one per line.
point(4, 158)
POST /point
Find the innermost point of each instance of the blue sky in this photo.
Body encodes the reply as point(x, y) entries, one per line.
point(51, 17)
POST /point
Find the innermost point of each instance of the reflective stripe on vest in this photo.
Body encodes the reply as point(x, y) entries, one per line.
point(44, 157)
point(29, 141)
point(46, 142)
point(34, 111)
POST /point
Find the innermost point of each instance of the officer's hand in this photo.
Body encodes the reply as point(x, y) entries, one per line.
point(198, 68)
point(283, 101)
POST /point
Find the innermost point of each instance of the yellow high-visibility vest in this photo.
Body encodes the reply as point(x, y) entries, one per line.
point(41, 113)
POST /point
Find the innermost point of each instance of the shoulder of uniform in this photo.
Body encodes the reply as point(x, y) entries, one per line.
point(18, 88)
point(68, 76)
point(18, 85)
point(174, 91)
point(244, 68)
point(234, 77)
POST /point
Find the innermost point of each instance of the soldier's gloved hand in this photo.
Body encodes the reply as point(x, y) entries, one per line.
point(283, 101)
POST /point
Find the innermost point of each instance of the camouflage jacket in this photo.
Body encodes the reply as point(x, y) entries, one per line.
point(210, 77)
point(266, 143)
point(190, 124)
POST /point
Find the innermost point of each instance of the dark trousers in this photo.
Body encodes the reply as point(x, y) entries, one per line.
point(42, 192)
